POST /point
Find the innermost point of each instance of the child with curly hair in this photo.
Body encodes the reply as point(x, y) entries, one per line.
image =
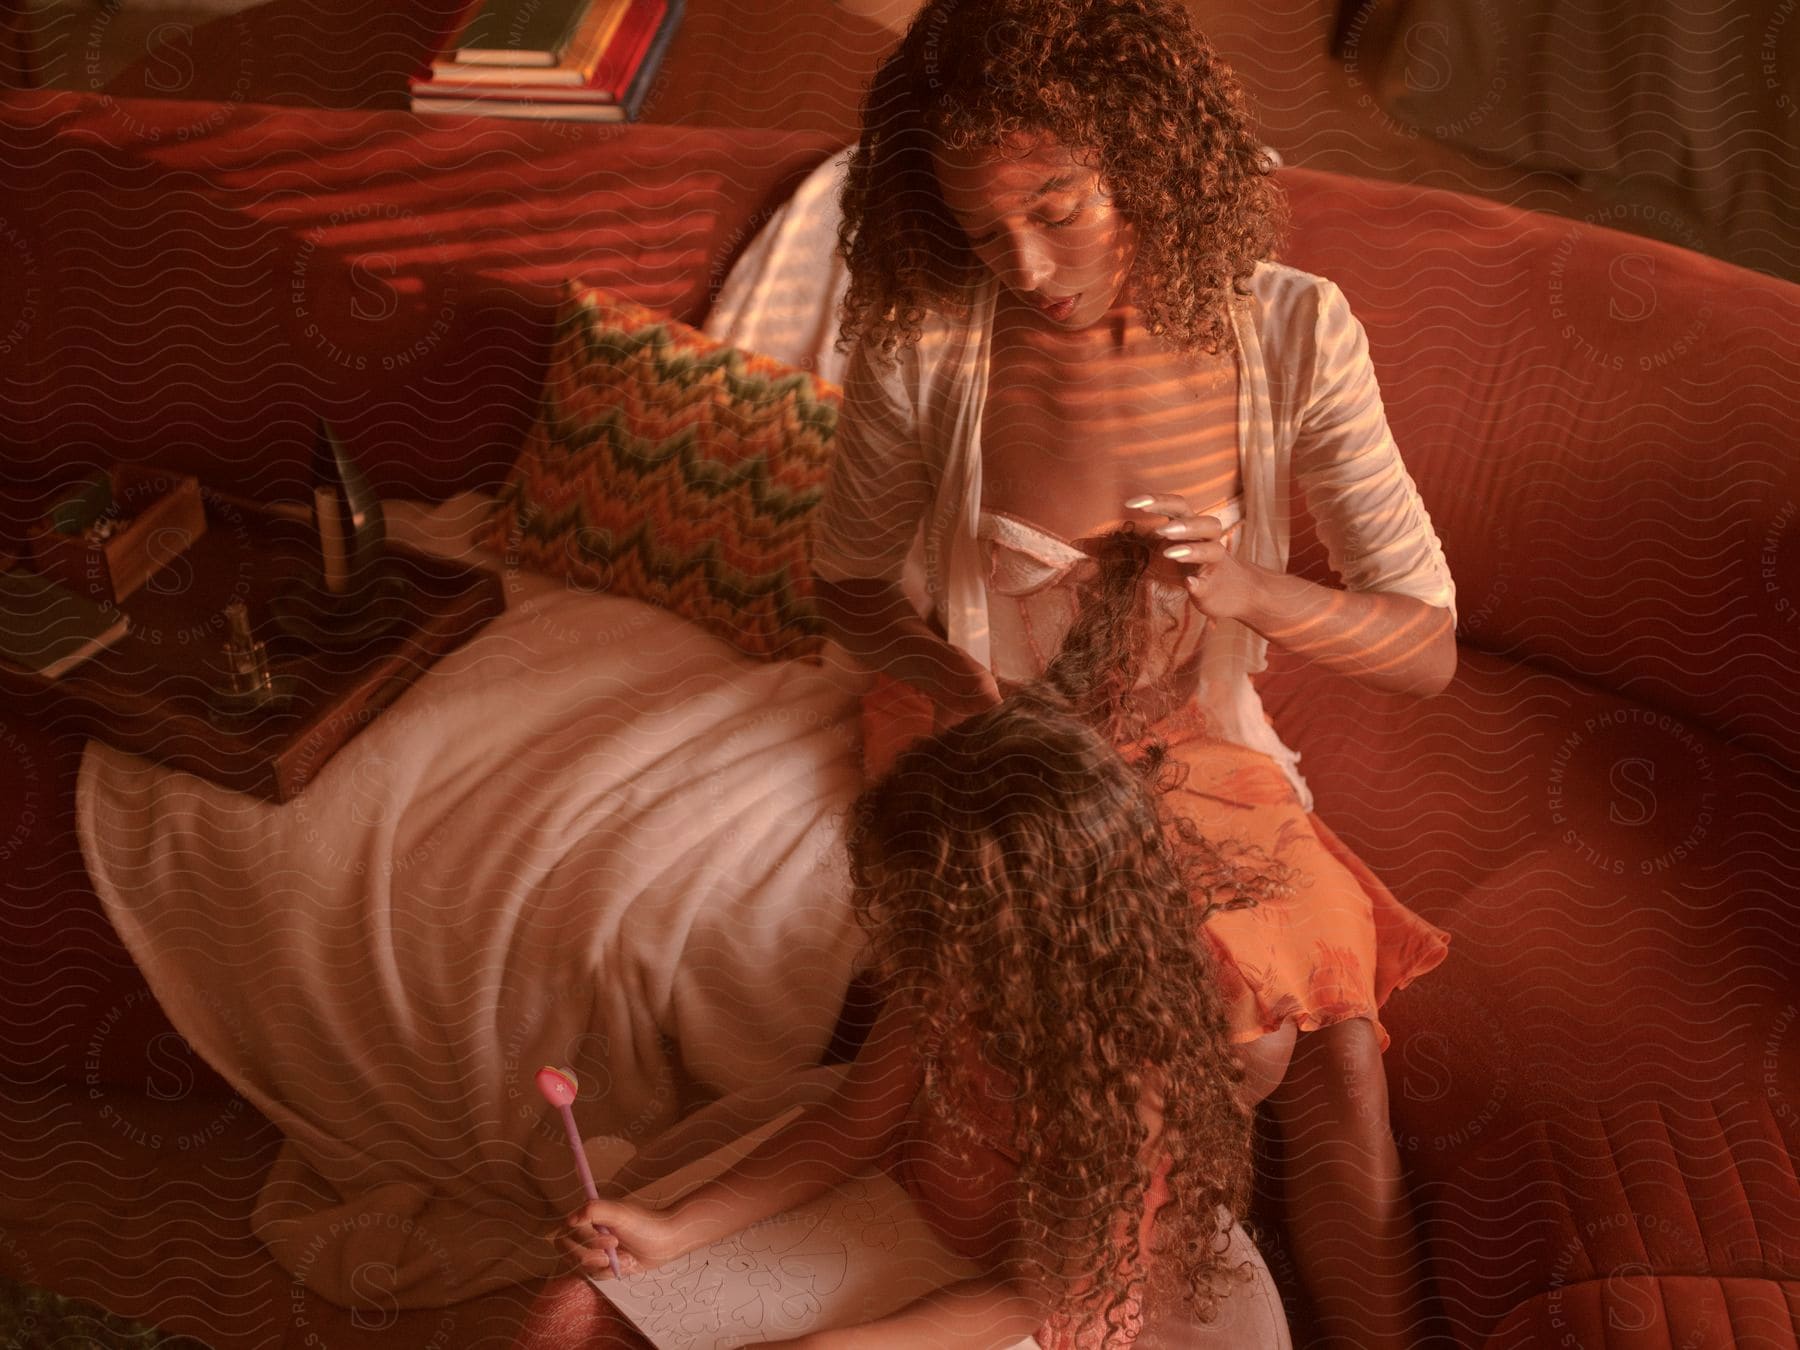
point(1049, 1076)
point(1058, 230)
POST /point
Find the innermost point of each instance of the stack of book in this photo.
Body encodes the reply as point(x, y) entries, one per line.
point(593, 60)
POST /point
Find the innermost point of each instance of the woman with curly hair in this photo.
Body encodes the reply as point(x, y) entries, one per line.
point(1050, 1075)
point(1062, 312)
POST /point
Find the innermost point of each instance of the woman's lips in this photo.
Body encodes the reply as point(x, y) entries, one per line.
point(1062, 308)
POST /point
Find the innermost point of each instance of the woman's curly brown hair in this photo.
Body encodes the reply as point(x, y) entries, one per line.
point(1025, 894)
point(1130, 80)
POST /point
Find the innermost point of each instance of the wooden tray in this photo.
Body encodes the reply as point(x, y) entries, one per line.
point(154, 692)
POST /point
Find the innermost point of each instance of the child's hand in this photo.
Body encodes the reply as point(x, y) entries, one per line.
point(644, 1238)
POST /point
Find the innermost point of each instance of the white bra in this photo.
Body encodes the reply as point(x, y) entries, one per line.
point(1032, 576)
point(1027, 557)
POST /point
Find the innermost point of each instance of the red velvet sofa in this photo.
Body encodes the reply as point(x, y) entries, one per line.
point(1597, 1097)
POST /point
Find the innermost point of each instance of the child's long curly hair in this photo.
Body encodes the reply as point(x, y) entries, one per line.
point(1024, 892)
point(1131, 80)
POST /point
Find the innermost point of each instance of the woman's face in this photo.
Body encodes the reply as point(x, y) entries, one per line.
point(1044, 224)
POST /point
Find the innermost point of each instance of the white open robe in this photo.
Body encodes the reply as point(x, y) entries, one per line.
point(905, 482)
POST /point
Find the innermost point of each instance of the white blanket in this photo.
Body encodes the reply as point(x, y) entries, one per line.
point(593, 836)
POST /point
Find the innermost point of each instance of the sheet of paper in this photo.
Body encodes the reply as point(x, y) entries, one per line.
point(852, 1255)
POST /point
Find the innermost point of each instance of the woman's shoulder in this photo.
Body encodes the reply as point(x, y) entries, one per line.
point(919, 377)
point(1303, 326)
point(943, 331)
point(1287, 302)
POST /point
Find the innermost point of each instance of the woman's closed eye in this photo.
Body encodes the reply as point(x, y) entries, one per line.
point(1062, 224)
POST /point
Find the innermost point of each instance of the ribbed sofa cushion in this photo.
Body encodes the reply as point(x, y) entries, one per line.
point(1574, 1195)
point(1633, 1311)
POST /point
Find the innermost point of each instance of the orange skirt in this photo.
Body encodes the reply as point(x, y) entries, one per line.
point(1331, 945)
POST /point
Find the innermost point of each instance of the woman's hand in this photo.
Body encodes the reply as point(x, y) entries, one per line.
point(878, 625)
point(1220, 586)
point(1387, 641)
point(957, 685)
point(643, 1237)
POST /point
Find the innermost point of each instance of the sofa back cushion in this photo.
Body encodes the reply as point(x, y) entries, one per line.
point(196, 285)
point(668, 468)
point(1603, 427)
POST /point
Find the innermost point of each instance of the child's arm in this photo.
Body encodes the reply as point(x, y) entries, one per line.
point(827, 1144)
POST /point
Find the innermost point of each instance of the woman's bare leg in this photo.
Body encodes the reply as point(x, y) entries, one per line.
point(1347, 1217)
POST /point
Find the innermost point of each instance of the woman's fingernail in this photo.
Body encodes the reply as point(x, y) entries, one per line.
point(1179, 551)
point(1137, 503)
point(1166, 530)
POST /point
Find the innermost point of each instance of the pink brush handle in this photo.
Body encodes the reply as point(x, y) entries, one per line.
point(587, 1178)
point(581, 1162)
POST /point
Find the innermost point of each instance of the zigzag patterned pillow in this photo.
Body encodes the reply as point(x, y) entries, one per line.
point(670, 469)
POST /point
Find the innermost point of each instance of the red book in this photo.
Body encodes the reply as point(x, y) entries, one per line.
point(628, 47)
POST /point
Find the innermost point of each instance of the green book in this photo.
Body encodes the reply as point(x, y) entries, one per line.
point(519, 32)
point(48, 629)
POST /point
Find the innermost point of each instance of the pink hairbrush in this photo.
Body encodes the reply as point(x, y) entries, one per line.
point(559, 1088)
